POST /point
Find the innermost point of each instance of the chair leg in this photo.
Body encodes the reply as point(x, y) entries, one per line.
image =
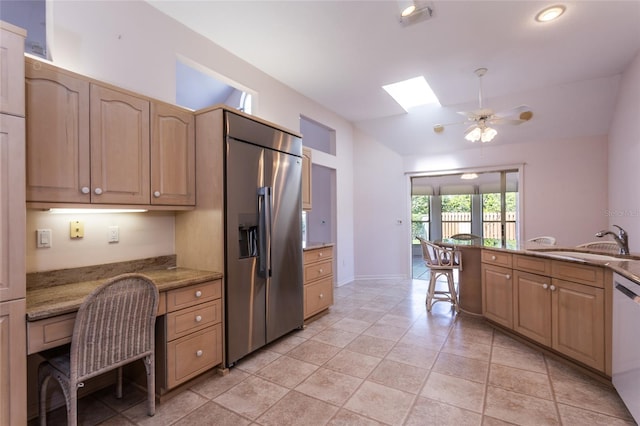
point(119, 384)
point(452, 292)
point(72, 408)
point(43, 380)
point(149, 363)
point(431, 291)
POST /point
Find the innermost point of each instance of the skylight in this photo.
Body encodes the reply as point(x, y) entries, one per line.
point(411, 93)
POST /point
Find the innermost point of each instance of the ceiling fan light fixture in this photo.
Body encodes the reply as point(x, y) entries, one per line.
point(407, 7)
point(473, 134)
point(550, 13)
point(488, 133)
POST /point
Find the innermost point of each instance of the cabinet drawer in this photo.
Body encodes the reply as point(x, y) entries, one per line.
point(318, 270)
point(186, 321)
point(318, 296)
point(192, 355)
point(50, 332)
point(192, 295)
point(497, 258)
point(318, 254)
point(532, 264)
point(585, 274)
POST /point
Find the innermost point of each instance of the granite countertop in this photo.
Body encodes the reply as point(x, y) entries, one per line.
point(628, 266)
point(314, 245)
point(53, 299)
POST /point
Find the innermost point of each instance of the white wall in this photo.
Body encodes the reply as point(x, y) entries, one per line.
point(624, 153)
point(564, 187)
point(132, 45)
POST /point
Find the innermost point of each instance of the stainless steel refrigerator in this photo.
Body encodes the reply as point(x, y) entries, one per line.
point(263, 235)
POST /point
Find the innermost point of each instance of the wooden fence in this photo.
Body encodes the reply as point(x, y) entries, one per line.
point(460, 222)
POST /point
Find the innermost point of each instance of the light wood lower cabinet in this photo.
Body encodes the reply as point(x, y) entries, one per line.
point(565, 314)
point(318, 280)
point(192, 330)
point(13, 364)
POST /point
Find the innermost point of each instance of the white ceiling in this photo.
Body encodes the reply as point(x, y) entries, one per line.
point(340, 53)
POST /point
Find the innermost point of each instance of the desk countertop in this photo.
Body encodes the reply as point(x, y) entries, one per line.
point(49, 301)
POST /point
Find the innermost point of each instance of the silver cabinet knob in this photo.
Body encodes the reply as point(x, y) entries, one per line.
point(198, 293)
point(156, 194)
point(507, 276)
point(320, 254)
point(545, 286)
point(98, 191)
point(553, 287)
point(321, 296)
point(85, 190)
point(199, 353)
point(493, 258)
point(320, 270)
point(198, 318)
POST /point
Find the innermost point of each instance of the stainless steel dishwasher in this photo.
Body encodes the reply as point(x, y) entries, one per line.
point(625, 363)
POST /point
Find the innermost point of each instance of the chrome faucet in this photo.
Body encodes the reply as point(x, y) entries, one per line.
point(621, 238)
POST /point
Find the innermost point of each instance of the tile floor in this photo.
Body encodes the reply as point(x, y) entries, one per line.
point(378, 358)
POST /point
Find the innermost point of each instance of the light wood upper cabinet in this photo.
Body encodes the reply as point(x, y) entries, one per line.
point(173, 156)
point(120, 131)
point(11, 69)
point(306, 179)
point(57, 105)
point(89, 142)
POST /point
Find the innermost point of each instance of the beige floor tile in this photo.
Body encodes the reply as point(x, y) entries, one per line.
point(562, 369)
point(428, 412)
point(492, 421)
point(118, 420)
point(298, 409)
point(573, 416)
point(131, 395)
point(520, 409)
point(455, 391)
point(384, 331)
point(352, 363)
point(349, 418)
point(413, 355)
point(505, 341)
point(369, 345)
point(285, 344)
point(459, 366)
point(91, 411)
point(526, 359)
point(424, 338)
point(288, 372)
point(352, 325)
point(335, 337)
point(593, 397)
point(399, 376)
point(212, 414)
point(251, 397)
point(257, 360)
point(330, 386)
point(368, 315)
point(521, 381)
point(396, 321)
point(218, 384)
point(467, 348)
point(167, 412)
point(472, 334)
point(314, 352)
point(381, 403)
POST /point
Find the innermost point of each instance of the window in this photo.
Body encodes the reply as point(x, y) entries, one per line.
point(456, 214)
point(419, 217)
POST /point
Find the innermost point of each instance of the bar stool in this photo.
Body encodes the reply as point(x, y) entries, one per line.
point(441, 261)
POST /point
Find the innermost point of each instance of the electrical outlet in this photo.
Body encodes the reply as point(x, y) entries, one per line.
point(114, 234)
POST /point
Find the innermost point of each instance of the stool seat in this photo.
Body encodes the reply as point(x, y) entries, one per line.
point(441, 261)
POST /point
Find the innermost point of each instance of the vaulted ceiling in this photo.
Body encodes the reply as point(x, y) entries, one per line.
point(340, 53)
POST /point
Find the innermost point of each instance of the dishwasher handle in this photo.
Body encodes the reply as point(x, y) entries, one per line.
point(629, 293)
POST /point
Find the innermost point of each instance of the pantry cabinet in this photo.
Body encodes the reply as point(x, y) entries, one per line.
point(92, 143)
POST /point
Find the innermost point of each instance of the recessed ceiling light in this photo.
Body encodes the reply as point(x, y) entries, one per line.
point(412, 92)
point(468, 176)
point(550, 13)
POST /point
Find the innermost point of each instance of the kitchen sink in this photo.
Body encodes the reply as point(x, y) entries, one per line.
point(576, 255)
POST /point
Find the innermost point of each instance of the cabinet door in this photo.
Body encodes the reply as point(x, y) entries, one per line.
point(532, 306)
point(12, 210)
point(306, 179)
point(119, 147)
point(13, 364)
point(12, 66)
point(578, 322)
point(57, 105)
point(173, 156)
point(497, 294)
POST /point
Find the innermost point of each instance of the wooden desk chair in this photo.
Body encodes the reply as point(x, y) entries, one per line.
point(608, 246)
point(550, 241)
point(115, 325)
point(441, 261)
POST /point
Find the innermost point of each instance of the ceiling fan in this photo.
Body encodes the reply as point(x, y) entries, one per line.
point(483, 118)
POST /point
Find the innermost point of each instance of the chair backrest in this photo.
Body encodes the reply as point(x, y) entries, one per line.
point(611, 246)
point(465, 237)
point(438, 257)
point(550, 241)
point(114, 326)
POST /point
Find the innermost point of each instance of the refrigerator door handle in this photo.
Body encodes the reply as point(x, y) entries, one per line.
point(264, 228)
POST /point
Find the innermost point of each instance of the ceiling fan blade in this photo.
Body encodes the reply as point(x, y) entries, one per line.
point(513, 121)
point(439, 128)
point(521, 113)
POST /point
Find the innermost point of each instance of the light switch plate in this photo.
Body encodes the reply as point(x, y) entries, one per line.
point(43, 238)
point(114, 234)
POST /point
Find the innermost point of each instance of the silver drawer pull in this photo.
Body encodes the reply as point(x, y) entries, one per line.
point(545, 286)
point(199, 353)
point(320, 254)
point(198, 318)
point(321, 296)
point(320, 270)
point(98, 191)
point(493, 258)
point(156, 194)
point(507, 276)
point(85, 190)
point(198, 293)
